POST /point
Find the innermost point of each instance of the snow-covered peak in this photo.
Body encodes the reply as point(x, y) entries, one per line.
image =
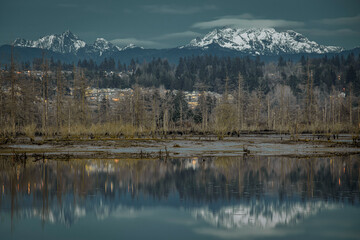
point(261, 41)
point(69, 34)
point(21, 42)
point(67, 42)
point(102, 44)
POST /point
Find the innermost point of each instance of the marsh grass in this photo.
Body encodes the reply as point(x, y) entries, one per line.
point(120, 130)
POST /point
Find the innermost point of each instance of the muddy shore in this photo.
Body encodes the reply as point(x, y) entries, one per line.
point(264, 145)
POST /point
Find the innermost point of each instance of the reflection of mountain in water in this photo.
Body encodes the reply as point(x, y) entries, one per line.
point(226, 192)
point(264, 214)
point(67, 214)
point(261, 214)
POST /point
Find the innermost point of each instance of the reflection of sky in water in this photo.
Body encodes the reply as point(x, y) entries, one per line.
point(219, 193)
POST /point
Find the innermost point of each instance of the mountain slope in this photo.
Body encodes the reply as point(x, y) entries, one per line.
point(261, 41)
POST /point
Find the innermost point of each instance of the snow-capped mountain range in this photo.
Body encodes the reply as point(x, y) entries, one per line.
point(261, 41)
point(224, 42)
point(258, 214)
point(67, 42)
point(253, 41)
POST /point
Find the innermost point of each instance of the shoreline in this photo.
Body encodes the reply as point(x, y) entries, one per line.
point(188, 146)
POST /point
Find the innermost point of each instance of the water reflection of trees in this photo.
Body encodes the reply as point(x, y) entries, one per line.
point(43, 184)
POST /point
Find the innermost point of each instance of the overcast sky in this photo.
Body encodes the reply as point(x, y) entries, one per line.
point(164, 23)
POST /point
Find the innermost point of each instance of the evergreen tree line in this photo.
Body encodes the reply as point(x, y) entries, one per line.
point(108, 64)
point(208, 72)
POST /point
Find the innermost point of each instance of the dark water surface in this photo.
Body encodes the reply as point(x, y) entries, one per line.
point(188, 198)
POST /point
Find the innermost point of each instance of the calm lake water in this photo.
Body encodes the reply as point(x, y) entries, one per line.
point(247, 197)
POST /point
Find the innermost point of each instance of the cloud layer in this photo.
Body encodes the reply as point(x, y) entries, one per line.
point(247, 21)
point(122, 42)
point(185, 34)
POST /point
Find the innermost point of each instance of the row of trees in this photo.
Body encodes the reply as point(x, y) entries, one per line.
point(208, 72)
point(317, 95)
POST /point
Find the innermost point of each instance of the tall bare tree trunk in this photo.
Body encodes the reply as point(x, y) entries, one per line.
point(181, 116)
point(138, 107)
point(83, 110)
point(204, 110)
point(13, 105)
point(311, 104)
point(165, 119)
point(98, 100)
point(307, 103)
point(259, 94)
point(240, 105)
point(350, 105)
point(59, 99)
point(154, 110)
point(45, 92)
point(226, 94)
point(33, 91)
point(282, 106)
